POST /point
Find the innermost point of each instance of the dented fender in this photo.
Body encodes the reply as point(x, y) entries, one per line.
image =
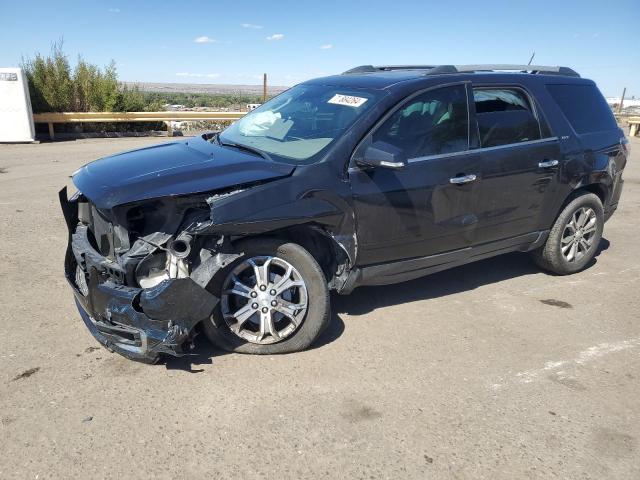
point(287, 202)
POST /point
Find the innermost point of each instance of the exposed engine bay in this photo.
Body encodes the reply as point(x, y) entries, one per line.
point(140, 292)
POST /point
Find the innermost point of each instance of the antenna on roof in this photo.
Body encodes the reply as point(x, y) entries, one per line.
point(531, 59)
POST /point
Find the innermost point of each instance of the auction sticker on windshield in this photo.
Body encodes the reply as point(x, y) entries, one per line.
point(348, 100)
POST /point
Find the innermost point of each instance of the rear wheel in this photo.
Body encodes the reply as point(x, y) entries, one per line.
point(574, 237)
point(274, 299)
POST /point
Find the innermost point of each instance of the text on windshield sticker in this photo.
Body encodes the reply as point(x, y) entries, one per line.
point(348, 100)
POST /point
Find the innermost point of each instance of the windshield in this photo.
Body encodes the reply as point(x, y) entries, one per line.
point(301, 122)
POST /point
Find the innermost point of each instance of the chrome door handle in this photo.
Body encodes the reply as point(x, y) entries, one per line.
point(462, 179)
point(548, 163)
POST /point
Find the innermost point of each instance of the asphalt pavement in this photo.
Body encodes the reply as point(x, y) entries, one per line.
point(493, 370)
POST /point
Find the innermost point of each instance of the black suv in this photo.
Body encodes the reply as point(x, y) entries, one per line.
point(376, 176)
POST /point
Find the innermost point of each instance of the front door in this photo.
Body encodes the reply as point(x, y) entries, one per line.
point(429, 206)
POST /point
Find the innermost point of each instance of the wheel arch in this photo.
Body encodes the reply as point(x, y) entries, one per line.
point(599, 189)
point(319, 242)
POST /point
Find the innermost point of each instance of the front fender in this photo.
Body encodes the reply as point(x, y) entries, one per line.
point(308, 197)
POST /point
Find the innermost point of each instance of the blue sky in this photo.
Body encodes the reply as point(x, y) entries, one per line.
point(220, 41)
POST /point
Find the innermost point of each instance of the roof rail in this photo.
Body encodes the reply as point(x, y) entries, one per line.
point(360, 69)
point(387, 68)
point(520, 68)
point(449, 69)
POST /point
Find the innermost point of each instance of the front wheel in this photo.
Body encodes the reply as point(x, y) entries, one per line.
point(273, 299)
point(574, 237)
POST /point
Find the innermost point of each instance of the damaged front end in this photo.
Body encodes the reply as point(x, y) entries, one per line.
point(140, 293)
point(151, 228)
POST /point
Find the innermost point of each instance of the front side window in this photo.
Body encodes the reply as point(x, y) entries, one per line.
point(505, 116)
point(432, 123)
point(297, 125)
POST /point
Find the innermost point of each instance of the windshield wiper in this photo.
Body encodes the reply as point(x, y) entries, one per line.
point(246, 148)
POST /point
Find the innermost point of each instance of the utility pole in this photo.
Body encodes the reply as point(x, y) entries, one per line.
point(264, 87)
point(624, 91)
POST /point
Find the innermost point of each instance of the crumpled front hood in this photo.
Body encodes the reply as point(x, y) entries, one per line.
point(176, 168)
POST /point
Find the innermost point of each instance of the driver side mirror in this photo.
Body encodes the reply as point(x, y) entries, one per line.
point(382, 154)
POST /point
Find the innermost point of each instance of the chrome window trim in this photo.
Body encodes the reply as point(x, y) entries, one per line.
point(481, 150)
point(467, 152)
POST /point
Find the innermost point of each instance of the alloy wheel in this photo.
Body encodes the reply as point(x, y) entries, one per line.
point(579, 234)
point(264, 300)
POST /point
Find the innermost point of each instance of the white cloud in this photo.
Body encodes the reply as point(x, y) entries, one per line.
point(276, 36)
point(326, 46)
point(251, 25)
point(204, 39)
point(197, 75)
point(114, 10)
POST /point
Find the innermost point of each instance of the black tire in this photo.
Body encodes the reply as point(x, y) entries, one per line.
point(318, 312)
point(550, 257)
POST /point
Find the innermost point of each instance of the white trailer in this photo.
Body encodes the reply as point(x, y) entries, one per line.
point(16, 117)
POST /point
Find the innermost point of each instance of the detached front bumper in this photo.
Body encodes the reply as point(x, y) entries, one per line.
point(139, 324)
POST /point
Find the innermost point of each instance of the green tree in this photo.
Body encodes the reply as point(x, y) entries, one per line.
point(50, 81)
point(55, 87)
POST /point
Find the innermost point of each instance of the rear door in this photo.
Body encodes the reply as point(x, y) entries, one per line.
point(520, 162)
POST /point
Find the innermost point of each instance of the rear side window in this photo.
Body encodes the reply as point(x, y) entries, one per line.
point(584, 106)
point(505, 116)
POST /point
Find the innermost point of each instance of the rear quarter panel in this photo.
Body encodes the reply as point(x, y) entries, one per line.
point(587, 159)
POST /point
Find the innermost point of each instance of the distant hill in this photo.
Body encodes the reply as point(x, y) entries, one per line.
point(204, 88)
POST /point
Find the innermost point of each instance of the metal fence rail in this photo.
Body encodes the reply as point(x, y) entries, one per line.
point(168, 117)
point(634, 125)
point(113, 117)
